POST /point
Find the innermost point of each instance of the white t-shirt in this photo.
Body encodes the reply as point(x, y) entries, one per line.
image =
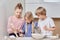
point(49, 23)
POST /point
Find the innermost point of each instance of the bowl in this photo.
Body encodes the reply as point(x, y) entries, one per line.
point(37, 36)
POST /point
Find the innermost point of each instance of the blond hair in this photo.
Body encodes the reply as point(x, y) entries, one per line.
point(29, 15)
point(42, 11)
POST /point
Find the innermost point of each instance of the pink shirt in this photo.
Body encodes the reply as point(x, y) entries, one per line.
point(18, 23)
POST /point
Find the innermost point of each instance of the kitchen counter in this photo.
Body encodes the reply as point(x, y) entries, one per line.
point(26, 38)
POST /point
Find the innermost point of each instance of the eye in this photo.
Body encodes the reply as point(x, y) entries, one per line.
point(16, 12)
point(35, 13)
point(20, 12)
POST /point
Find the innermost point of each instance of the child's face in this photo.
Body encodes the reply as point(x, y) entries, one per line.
point(39, 15)
point(18, 12)
point(27, 19)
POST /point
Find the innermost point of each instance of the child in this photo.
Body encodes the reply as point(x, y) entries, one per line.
point(15, 22)
point(29, 24)
point(45, 23)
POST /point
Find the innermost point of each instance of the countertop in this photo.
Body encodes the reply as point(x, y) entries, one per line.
point(26, 38)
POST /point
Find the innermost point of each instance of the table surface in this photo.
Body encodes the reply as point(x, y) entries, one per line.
point(26, 38)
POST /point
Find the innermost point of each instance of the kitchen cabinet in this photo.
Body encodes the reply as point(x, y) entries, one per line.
point(52, 7)
point(51, 0)
point(32, 1)
point(32, 8)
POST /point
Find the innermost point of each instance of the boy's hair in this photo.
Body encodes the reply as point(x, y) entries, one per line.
point(30, 15)
point(42, 11)
point(19, 6)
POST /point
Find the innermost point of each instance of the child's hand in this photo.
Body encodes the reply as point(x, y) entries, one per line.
point(19, 30)
point(21, 35)
point(14, 29)
point(45, 28)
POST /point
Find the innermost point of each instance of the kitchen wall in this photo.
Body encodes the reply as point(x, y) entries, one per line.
point(2, 16)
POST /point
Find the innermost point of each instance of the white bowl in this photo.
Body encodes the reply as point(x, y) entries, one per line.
point(37, 36)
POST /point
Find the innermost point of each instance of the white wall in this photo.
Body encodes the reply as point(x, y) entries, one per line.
point(2, 16)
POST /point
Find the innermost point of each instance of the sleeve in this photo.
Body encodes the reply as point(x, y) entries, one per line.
point(8, 25)
point(38, 23)
point(51, 22)
point(35, 24)
point(23, 28)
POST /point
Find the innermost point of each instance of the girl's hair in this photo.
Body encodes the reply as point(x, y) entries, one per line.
point(19, 5)
point(42, 11)
point(29, 15)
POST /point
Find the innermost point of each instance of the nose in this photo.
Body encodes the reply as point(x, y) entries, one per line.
point(19, 13)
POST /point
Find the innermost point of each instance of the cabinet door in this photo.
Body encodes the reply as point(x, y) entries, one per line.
point(32, 1)
point(51, 0)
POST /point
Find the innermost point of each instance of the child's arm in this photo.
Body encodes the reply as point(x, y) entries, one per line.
point(49, 29)
point(52, 29)
point(37, 27)
point(22, 31)
point(20, 28)
point(14, 29)
point(33, 28)
point(52, 26)
point(10, 26)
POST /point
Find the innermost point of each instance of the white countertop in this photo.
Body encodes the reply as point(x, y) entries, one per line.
point(25, 38)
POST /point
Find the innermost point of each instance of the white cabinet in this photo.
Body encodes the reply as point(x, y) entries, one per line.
point(52, 7)
point(51, 0)
point(31, 7)
point(53, 10)
point(32, 1)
